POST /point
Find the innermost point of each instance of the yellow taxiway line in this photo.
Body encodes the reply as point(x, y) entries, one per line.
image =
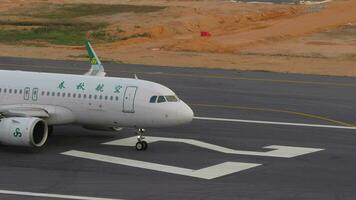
point(313, 116)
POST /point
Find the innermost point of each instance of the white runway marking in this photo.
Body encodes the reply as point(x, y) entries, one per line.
point(205, 173)
point(58, 196)
point(278, 151)
point(275, 123)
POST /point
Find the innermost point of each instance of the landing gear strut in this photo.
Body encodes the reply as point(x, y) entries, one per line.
point(141, 144)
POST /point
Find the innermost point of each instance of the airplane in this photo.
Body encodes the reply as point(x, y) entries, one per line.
point(31, 103)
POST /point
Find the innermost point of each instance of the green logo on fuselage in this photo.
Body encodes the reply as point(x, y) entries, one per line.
point(93, 61)
point(80, 86)
point(100, 88)
point(17, 133)
point(117, 89)
point(61, 85)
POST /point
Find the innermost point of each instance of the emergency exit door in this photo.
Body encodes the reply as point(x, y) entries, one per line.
point(129, 99)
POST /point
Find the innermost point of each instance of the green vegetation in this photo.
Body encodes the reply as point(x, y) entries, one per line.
point(101, 36)
point(61, 33)
point(51, 35)
point(69, 11)
point(56, 24)
point(54, 33)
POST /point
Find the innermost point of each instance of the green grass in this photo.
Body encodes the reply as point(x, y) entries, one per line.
point(56, 24)
point(60, 33)
point(42, 23)
point(69, 11)
point(54, 33)
point(101, 35)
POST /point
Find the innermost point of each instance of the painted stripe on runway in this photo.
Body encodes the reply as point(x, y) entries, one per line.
point(277, 150)
point(208, 173)
point(274, 123)
point(48, 195)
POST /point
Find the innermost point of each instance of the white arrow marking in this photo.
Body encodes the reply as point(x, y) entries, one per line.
point(205, 173)
point(278, 151)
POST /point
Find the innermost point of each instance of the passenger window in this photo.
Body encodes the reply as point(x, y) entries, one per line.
point(5, 90)
point(106, 97)
point(53, 93)
point(100, 97)
point(63, 94)
point(111, 98)
point(79, 96)
point(89, 96)
point(15, 91)
point(0, 89)
point(116, 98)
point(161, 99)
point(58, 94)
point(95, 96)
point(69, 94)
point(20, 92)
point(74, 95)
point(10, 91)
point(171, 98)
point(153, 99)
point(84, 96)
point(47, 93)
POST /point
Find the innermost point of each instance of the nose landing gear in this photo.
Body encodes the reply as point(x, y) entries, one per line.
point(141, 144)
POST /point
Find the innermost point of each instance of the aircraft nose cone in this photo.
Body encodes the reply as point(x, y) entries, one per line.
point(185, 114)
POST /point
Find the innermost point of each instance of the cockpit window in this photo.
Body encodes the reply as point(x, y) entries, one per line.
point(153, 99)
point(171, 98)
point(161, 99)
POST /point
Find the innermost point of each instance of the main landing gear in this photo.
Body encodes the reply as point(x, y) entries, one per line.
point(141, 145)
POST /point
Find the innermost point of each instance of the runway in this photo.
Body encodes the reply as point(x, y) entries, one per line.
point(257, 135)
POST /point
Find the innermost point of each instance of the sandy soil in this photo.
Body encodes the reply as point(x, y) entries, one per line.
point(319, 39)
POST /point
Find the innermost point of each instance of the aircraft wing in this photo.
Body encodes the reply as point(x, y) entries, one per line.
point(54, 115)
point(97, 69)
point(25, 112)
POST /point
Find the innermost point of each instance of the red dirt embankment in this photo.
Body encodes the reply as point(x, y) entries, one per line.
point(317, 39)
point(269, 27)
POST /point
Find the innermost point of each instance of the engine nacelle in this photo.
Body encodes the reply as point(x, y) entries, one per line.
point(23, 131)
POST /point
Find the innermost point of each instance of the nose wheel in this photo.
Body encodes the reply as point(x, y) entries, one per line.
point(141, 145)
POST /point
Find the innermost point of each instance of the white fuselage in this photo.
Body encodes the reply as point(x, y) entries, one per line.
point(92, 101)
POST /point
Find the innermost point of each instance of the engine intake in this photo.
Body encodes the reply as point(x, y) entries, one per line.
point(23, 131)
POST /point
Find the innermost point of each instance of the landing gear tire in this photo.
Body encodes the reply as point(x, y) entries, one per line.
point(145, 145)
point(140, 146)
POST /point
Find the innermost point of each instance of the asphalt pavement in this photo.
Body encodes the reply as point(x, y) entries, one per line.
point(231, 156)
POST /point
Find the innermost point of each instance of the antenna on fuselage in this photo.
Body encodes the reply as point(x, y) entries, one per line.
point(135, 76)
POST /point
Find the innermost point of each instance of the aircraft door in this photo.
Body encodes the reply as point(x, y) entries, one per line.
point(26, 94)
point(34, 94)
point(30, 95)
point(129, 99)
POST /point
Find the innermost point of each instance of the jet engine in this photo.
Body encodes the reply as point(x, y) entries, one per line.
point(23, 131)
